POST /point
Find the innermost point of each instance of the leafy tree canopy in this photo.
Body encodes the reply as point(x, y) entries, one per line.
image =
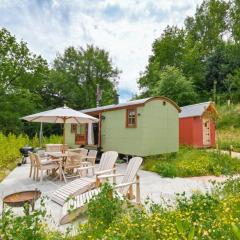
point(77, 72)
point(174, 85)
point(206, 50)
point(29, 85)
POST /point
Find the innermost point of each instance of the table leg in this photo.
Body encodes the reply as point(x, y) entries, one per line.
point(64, 177)
point(60, 170)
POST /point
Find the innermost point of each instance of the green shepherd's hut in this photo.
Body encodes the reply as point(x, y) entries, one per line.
point(141, 127)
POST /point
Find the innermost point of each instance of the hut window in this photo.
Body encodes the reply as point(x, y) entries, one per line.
point(74, 128)
point(131, 118)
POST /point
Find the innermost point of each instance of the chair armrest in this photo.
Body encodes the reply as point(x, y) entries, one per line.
point(124, 185)
point(85, 162)
point(89, 157)
point(85, 168)
point(110, 175)
point(104, 171)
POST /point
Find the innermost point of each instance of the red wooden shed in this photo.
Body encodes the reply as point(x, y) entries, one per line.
point(197, 125)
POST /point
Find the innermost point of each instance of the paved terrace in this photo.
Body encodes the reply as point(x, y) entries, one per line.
point(152, 186)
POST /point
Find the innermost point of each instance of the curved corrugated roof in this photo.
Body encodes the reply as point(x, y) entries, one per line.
point(108, 107)
point(194, 110)
point(130, 103)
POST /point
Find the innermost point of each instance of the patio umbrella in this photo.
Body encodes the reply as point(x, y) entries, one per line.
point(61, 115)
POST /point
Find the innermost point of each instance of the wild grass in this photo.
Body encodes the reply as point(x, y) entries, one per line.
point(9, 149)
point(228, 137)
point(190, 162)
point(228, 127)
point(228, 117)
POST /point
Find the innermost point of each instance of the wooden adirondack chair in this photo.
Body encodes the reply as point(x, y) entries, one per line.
point(108, 159)
point(72, 208)
point(89, 160)
point(81, 185)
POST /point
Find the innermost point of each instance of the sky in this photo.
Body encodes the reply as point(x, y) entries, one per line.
point(124, 28)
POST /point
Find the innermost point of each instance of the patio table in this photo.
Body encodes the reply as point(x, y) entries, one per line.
point(60, 158)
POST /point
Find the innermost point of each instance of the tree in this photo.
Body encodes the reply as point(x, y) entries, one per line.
point(224, 60)
point(206, 50)
point(209, 24)
point(20, 82)
point(167, 50)
point(174, 85)
point(232, 84)
point(75, 76)
point(234, 20)
point(27, 85)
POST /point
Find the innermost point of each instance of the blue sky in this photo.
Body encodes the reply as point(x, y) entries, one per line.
point(125, 28)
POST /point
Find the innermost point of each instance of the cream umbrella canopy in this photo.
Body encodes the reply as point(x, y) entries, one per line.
point(61, 115)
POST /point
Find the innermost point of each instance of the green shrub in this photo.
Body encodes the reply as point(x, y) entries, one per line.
point(190, 162)
point(166, 170)
point(102, 210)
point(31, 225)
point(9, 149)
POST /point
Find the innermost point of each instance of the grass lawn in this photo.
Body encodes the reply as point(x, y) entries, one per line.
point(190, 162)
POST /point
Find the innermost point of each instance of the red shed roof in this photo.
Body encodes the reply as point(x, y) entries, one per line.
point(198, 109)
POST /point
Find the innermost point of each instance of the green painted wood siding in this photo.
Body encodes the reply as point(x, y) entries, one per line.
point(70, 137)
point(156, 132)
point(160, 128)
point(115, 135)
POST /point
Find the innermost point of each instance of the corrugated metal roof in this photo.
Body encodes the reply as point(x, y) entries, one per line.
point(134, 102)
point(194, 110)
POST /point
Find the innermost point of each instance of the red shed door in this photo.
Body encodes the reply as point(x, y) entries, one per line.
point(206, 132)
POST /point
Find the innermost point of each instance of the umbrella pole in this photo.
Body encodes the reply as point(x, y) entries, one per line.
point(64, 131)
point(40, 135)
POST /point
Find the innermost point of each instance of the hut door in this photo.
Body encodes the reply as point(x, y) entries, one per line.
point(81, 139)
point(206, 132)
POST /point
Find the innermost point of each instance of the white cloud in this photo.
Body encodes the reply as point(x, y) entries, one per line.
point(125, 28)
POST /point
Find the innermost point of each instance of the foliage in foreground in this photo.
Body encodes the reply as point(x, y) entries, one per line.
point(9, 149)
point(30, 226)
point(192, 162)
point(202, 216)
